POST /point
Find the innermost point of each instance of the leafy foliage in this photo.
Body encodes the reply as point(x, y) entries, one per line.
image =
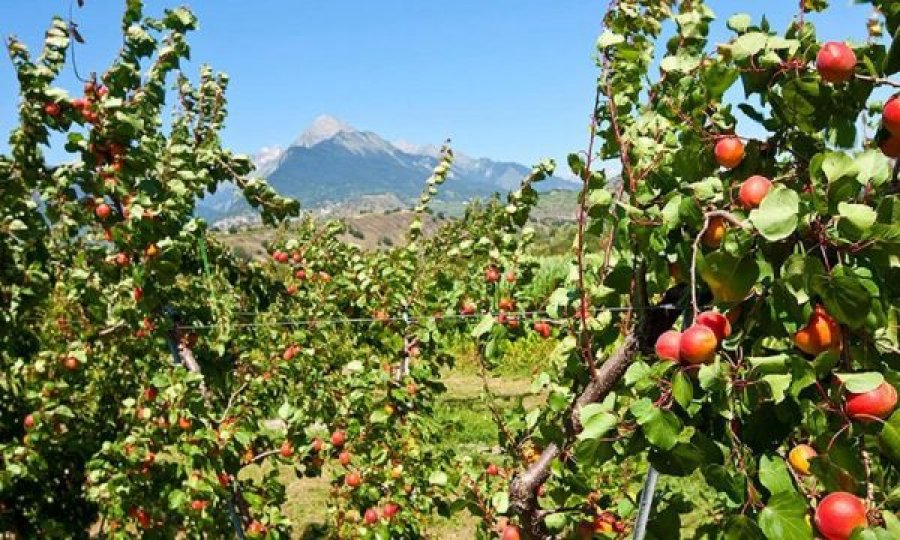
point(153, 384)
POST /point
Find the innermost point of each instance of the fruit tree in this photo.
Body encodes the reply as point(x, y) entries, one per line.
point(729, 315)
point(737, 320)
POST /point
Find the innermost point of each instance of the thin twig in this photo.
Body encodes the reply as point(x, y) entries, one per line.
point(231, 402)
point(727, 216)
point(264, 455)
point(696, 250)
point(881, 81)
point(584, 335)
point(491, 404)
point(867, 466)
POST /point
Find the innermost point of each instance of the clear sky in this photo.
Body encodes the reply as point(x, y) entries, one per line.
point(506, 79)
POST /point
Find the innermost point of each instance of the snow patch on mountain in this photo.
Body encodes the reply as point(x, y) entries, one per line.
point(323, 128)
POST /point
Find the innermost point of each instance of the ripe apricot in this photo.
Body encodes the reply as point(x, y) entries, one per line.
point(715, 232)
point(836, 62)
point(510, 532)
point(698, 345)
point(799, 457)
point(838, 514)
point(668, 345)
point(821, 333)
point(729, 152)
point(890, 146)
point(715, 321)
point(753, 191)
point(890, 115)
point(877, 403)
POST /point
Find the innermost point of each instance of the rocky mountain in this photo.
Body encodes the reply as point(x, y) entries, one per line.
point(332, 163)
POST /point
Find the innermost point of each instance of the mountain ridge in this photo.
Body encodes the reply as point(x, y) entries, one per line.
point(332, 162)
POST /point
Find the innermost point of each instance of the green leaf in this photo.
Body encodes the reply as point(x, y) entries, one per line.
point(892, 60)
point(770, 364)
point(889, 438)
point(484, 326)
point(739, 23)
point(598, 202)
point(861, 382)
point(837, 165)
point(681, 63)
point(785, 517)
point(177, 499)
point(661, 427)
point(873, 167)
point(576, 164)
point(742, 528)
point(438, 478)
point(774, 475)
point(609, 38)
point(891, 523)
point(556, 522)
point(500, 501)
point(711, 376)
point(845, 298)
point(748, 44)
point(859, 217)
point(729, 278)
point(596, 421)
point(558, 303)
point(682, 389)
point(778, 384)
point(639, 373)
point(778, 215)
point(285, 411)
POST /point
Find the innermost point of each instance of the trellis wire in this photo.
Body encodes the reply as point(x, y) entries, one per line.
point(408, 319)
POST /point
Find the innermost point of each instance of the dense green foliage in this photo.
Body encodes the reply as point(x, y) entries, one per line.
point(154, 384)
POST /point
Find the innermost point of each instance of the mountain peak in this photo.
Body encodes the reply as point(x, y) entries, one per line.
point(324, 127)
point(417, 149)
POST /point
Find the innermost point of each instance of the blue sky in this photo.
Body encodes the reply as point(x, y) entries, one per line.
point(505, 79)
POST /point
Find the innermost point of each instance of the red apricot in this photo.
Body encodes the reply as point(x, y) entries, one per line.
point(338, 438)
point(717, 322)
point(668, 345)
point(510, 532)
point(890, 146)
point(715, 232)
point(890, 115)
point(353, 479)
point(753, 191)
point(836, 62)
point(877, 403)
point(838, 514)
point(729, 152)
point(799, 457)
point(698, 345)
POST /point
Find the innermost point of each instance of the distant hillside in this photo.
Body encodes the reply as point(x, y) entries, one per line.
point(333, 164)
point(388, 227)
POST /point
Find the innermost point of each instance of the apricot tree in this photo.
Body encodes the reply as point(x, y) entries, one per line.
point(742, 306)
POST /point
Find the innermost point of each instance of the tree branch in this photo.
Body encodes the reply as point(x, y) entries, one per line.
point(651, 323)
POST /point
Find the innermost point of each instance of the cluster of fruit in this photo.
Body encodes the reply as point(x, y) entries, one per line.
point(699, 343)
